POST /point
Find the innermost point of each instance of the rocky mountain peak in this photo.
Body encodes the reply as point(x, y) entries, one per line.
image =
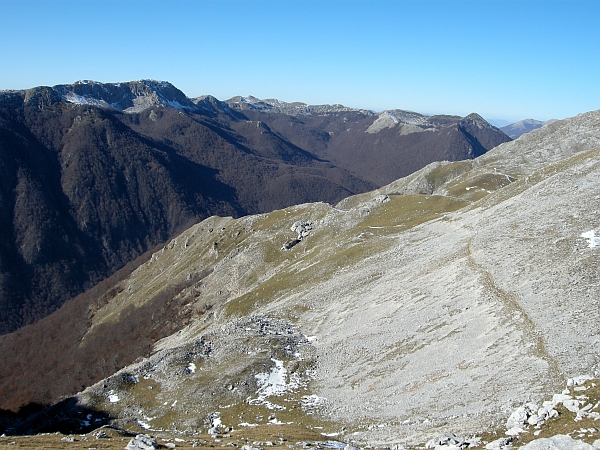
point(411, 122)
point(211, 105)
point(249, 102)
point(476, 120)
point(41, 96)
point(407, 121)
point(129, 97)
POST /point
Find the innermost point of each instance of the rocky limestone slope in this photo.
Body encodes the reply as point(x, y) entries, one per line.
point(440, 302)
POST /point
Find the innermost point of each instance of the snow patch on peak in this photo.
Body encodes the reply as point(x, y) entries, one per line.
point(160, 83)
point(250, 100)
point(76, 99)
point(86, 82)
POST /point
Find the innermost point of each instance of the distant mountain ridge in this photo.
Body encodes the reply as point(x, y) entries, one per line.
point(370, 144)
point(387, 135)
point(94, 174)
point(521, 127)
point(252, 103)
point(137, 96)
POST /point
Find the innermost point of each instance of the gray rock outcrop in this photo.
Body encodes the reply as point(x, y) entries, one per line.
point(500, 444)
point(302, 228)
point(142, 442)
point(447, 441)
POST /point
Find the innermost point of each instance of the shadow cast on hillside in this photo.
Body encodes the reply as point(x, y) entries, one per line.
point(66, 417)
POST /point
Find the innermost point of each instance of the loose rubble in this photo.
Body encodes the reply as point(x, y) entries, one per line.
point(531, 414)
point(529, 418)
point(450, 441)
point(499, 444)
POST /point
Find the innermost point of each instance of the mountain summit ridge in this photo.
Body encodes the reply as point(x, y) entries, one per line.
point(250, 102)
point(129, 97)
point(521, 127)
point(139, 95)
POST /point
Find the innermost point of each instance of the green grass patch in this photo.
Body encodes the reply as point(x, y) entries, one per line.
point(267, 221)
point(145, 392)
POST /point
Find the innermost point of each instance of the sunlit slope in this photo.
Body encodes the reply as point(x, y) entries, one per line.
point(438, 302)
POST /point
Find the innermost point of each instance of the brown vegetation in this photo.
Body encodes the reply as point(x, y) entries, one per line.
point(60, 355)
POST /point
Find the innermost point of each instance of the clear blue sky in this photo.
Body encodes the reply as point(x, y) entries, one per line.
point(503, 59)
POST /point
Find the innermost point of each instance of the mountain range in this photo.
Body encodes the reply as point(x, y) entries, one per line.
point(442, 303)
point(93, 175)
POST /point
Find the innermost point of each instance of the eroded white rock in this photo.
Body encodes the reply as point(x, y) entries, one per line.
point(558, 442)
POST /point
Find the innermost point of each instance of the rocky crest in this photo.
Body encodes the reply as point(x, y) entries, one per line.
point(130, 97)
point(251, 103)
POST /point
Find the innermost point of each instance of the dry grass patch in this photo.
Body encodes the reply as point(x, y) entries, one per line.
point(447, 172)
point(407, 211)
